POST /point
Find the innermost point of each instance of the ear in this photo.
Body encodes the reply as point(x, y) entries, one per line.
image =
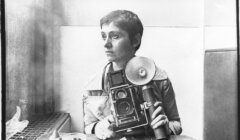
point(136, 40)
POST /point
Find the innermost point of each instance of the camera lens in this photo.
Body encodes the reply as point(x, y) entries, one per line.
point(121, 94)
point(124, 108)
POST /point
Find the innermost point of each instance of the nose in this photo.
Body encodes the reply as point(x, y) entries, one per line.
point(108, 43)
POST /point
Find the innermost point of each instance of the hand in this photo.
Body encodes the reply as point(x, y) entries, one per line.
point(159, 118)
point(103, 128)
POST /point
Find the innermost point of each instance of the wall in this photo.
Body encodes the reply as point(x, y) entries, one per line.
point(29, 55)
point(220, 24)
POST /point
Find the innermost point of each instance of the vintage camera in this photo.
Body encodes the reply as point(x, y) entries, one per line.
point(128, 109)
point(126, 86)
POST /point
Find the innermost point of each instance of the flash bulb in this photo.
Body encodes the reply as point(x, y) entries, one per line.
point(142, 72)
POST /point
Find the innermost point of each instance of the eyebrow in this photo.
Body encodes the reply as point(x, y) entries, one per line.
point(111, 32)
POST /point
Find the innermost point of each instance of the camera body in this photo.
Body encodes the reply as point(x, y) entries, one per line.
point(128, 110)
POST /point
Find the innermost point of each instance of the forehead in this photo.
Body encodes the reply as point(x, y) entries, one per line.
point(111, 27)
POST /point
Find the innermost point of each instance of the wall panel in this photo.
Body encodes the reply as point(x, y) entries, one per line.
point(152, 13)
point(29, 55)
point(220, 95)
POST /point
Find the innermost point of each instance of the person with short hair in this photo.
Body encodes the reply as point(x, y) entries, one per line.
point(122, 31)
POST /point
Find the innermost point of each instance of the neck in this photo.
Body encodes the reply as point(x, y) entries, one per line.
point(119, 65)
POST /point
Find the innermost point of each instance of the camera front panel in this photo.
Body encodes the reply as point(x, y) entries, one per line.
point(124, 106)
point(128, 112)
point(127, 108)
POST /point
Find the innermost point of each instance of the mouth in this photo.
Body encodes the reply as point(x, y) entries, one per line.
point(108, 52)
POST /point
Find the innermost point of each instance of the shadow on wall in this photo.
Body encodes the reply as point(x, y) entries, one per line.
point(32, 52)
point(48, 16)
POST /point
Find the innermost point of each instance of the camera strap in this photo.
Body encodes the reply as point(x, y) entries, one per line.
point(104, 80)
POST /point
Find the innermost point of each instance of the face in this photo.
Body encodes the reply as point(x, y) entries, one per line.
point(117, 44)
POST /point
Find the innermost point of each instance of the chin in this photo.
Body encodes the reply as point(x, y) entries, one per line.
point(111, 59)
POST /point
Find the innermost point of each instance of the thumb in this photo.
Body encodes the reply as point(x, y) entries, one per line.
point(110, 118)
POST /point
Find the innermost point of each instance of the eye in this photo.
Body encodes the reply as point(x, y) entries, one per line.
point(115, 36)
point(103, 36)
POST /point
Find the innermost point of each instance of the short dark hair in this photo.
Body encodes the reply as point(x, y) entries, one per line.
point(127, 21)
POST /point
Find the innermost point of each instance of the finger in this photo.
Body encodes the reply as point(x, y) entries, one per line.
point(157, 103)
point(101, 134)
point(157, 112)
point(160, 123)
point(110, 118)
point(105, 123)
point(158, 118)
point(104, 137)
point(107, 136)
point(108, 133)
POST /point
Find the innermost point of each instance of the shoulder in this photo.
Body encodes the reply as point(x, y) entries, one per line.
point(160, 74)
point(95, 80)
point(94, 83)
point(93, 86)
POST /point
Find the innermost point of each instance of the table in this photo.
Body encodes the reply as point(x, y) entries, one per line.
point(172, 137)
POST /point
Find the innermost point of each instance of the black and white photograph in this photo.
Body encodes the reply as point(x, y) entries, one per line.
point(120, 69)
